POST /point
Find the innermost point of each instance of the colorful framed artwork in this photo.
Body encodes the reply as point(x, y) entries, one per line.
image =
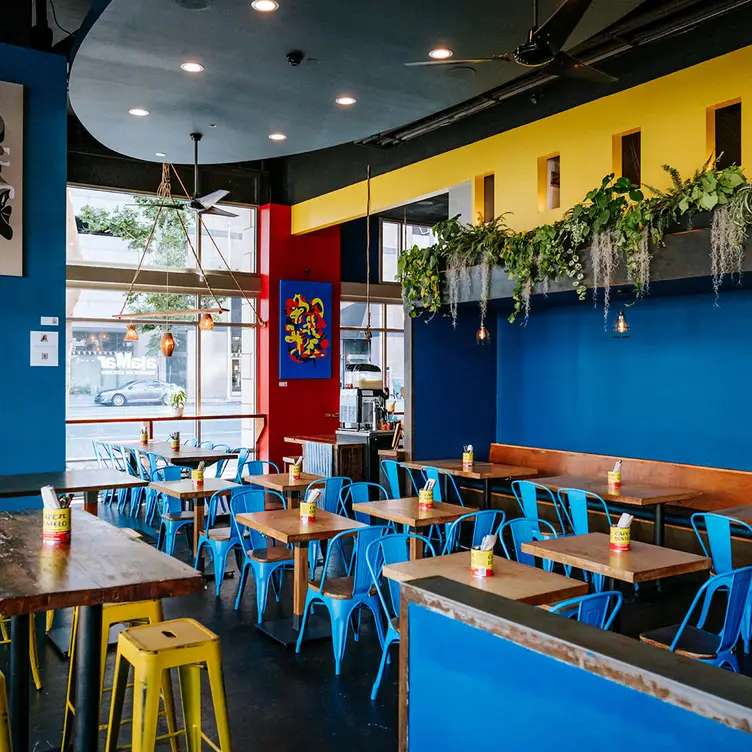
point(305, 330)
point(11, 180)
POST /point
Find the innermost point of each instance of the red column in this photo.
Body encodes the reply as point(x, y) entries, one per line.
point(303, 405)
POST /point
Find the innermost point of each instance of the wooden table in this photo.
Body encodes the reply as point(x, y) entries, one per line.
point(100, 565)
point(486, 472)
point(281, 483)
point(642, 563)
point(184, 490)
point(90, 482)
point(187, 456)
point(408, 512)
point(512, 580)
point(284, 525)
point(633, 494)
point(743, 513)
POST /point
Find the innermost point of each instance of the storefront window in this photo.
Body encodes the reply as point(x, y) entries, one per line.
point(395, 238)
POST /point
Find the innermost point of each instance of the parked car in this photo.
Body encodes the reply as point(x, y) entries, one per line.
point(143, 390)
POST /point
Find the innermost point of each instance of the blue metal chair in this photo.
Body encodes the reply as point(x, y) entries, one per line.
point(525, 530)
point(391, 469)
point(390, 549)
point(191, 442)
point(206, 445)
point(718, 529)
point(526, 492)
point(361, 493)
point(697, 642)
point(485, 522)
point(104, 459)
point(243, 454)
point(264, 560)
point(433, 473)
point(120, 462)
point(410, 473)
point(329, 501)
point(171, 472)
point(596, 609)
point(255, 467)
point(343, 595)
point(220, 466)
point(172, 518)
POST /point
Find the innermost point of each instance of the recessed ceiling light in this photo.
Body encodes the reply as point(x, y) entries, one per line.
point(138, 112)
point(345, 101)
point(212, 125)
point(191, 67)
point(277, 136)
point(265, 6)
point(159, 154)
point(441, 53)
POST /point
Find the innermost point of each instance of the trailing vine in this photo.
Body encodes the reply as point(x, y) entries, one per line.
point(614, 224)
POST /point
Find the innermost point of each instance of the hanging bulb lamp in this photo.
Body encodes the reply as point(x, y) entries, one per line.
point(167, 344)
point(206, 323)
point(621, 327)
point(483, 336)
point(131, 335)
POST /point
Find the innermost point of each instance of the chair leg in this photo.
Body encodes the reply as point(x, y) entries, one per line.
point(190, 693)
point(709, 594)
point(146, 695)
point(197, 559)
point(219, 555)
point(49, 620)
point(116, 705)
point(169, 707)
point(33, 653)
point(747, 625)
point(382, 666)
point(356, 623)
point(375, 607)
point(242, 580)
point(263, 575)
point(308, 604)
point(339, 611)
point(217, 686)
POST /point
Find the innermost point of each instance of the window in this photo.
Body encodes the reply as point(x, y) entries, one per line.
point(395, 238)
point(628, 156)
point(549, 182)
point(386, 349)
point(724, 126)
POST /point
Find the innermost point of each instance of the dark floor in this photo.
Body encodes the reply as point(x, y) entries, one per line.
point(282, 701)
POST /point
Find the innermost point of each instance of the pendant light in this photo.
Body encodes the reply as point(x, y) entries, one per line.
point(368, 335)
point(207, 323)
point(482, 336)
point(621, 327)
point(131, 335)
point(167, 344)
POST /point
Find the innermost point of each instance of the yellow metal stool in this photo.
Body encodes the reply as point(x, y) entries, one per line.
point(115, 614)
point(33, 652)
point(5, 745)
point(152, 651)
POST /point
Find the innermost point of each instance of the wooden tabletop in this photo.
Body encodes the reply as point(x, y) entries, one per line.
point(512, 580)
point(189, 454)
point(479, 471)
point(408, 512)
point(643, 562)
point(281, 482)
point(185, 491)
point(285, 525)
point(101, 564)
point(67, 481)
point(743, 513)
point(638, 494)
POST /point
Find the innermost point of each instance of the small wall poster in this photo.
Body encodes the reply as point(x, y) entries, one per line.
point(44, 348)
point(305, 330)
point(11, 180)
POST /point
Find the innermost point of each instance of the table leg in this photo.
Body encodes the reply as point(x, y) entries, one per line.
point(19, 682)
point(91, 502)
point(300, 583)
point(659, 531)
point(198, 526)
point(88, 660)
point(487, 493)
point(416, 546)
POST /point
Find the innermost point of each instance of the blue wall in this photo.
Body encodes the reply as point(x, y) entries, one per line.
point(676, 390)
point(32, 400)
point(454, 387)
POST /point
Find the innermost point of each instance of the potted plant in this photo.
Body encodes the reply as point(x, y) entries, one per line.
point(178, 398)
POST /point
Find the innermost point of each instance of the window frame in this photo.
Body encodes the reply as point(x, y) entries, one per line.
point(401, 247)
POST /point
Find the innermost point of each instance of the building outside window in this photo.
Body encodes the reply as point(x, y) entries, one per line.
point(397, 237)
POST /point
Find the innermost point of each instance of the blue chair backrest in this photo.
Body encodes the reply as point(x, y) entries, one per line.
point(119, 457)
point(220, 466)
point(718, 529)
point(390, 468)
point(412, 489)
point(157, 461)
point(255, 467)
point(100, 453)
point(433, 473)
point(243, 454)
point(526, 492)
point(167, 472)
point(191, 442)
point(361, 493)
point(597, 609)
point(331, 488)
point(485, 522)
point(524, 530)
point(247, 501)
point(392, 549)
point(363, 537)
point(574, 504)
point(207, 445)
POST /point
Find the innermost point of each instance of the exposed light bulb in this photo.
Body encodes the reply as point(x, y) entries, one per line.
point(131, 335)
point(206, 323)
point(167, 344)
point(483, 336)
point(621, 327)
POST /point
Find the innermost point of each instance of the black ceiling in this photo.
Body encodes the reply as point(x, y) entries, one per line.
point(427, 211)
point(131, 55)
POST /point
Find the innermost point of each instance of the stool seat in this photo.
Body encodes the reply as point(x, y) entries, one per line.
point(168, 635)
point(693, 643)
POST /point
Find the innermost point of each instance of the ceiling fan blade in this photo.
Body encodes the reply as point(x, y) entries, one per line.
point(218, 212)
point(562, 23)
point(569, 67)
point(212, 198)
point(470, 61)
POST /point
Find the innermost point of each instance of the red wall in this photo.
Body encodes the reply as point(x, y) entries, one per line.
point(302, 406)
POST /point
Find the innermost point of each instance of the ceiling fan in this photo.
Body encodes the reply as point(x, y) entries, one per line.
point(543, 49)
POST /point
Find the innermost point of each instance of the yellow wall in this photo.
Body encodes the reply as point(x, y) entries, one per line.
point(670, 111)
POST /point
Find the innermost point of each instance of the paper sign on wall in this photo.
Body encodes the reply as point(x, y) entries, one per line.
point(44, 348)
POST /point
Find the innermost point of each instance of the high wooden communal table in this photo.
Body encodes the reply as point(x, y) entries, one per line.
point(642, 563)
point(284, 525)
point(281, 483)
point(186, 456)
point(90, 482)
point(633, 494)
point(408, 512)
point(100, 565)
point(512, 580)
point(184, 490)
point(486, 472)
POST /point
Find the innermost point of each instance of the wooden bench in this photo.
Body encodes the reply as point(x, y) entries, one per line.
point(721, 488)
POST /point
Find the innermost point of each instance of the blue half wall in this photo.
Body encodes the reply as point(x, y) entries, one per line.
point(676, 390)
point(32, 400)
